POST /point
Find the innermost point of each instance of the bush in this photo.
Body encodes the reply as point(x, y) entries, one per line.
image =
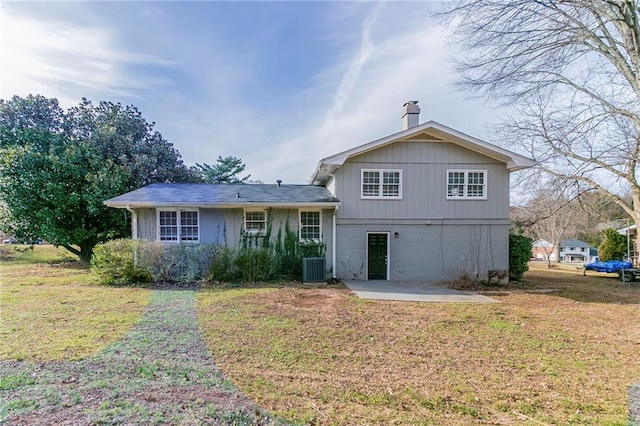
point(222, 266)
point(176, 262)
point(519, 255)
point(254, 264)
point(113, 263)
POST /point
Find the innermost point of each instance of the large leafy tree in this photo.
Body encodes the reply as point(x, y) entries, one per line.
point(225, 170)
point(57, 168)
point(571, 72)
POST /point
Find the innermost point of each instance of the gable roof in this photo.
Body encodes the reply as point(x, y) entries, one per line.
point(514, 161)
point(224, 196)
point(573, 243)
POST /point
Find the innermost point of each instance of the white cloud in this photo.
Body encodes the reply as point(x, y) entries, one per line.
point(66, 60)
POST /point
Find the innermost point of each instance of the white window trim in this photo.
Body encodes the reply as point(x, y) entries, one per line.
point(178, 218)
point(381, 197)
point(300, 211)
point(466, 184)
point(255, 231)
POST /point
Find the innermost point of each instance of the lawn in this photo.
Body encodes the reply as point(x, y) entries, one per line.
point(51, 311)
point(559, 349)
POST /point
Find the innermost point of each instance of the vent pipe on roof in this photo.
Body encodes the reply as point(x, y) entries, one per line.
point(410, 115)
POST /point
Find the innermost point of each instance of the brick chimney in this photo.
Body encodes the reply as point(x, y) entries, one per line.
point(410, 115)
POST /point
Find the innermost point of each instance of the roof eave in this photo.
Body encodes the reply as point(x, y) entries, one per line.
point(321, 204)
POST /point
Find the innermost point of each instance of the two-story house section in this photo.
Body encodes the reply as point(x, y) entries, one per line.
point(427, 203)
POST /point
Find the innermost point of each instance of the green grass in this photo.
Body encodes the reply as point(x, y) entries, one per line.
point(51, 310)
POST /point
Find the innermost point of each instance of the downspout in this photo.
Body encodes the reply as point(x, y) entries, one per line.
point(333, 243)
point(134, 232)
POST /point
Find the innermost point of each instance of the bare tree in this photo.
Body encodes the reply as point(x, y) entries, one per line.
point(551, 219)
point(571, 70)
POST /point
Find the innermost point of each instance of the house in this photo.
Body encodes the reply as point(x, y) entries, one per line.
point(544, 250)
point(569, 250)
point(577, 251)
point(426, 203)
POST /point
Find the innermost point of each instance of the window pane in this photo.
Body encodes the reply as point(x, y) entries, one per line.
point(391, 184)
point(455, 191)
point(255, 222)
point(370, 184)
point(168, 226)
point(310, 225)
point(189, 226)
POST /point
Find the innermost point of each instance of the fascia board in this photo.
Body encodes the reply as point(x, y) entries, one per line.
point(328, 204)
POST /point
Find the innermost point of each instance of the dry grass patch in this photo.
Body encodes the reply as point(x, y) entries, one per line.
point(51, 311)
point(323, 356)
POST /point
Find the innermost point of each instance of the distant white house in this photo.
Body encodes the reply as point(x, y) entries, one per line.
point(569, 250)
point(576, 251)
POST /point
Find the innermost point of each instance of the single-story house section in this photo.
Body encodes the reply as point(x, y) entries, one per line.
point(427, 203)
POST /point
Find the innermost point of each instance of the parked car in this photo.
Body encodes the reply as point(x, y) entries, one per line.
point(10, 240)
point(608, 266)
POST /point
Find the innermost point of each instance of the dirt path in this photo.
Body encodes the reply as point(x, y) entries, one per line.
point(161, 372)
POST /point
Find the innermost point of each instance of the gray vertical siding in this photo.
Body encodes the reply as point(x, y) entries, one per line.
point(224, 226)
point(438, 239)
point(424, 168)
point(147, 224)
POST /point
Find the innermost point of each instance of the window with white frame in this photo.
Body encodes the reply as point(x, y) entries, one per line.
point(255, 222)
point(310, 225)
point(381, 183)
point(178, 226)
point(466, 184)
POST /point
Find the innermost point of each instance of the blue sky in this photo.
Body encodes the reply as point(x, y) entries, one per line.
point(279, 84)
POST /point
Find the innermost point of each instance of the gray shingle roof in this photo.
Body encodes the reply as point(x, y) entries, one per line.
point(573, 243)
point(223, 195)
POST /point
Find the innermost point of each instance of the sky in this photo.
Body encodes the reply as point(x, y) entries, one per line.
point(279, 84)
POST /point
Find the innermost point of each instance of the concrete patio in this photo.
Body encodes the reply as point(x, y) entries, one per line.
point(413, 292)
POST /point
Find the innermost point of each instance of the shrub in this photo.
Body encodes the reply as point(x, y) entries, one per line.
point(222, 266)
point(176, 262)
point(254, 264)
point(519, 255)
point(113, 263)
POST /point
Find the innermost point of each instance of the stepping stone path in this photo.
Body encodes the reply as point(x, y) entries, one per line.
point(161, 372)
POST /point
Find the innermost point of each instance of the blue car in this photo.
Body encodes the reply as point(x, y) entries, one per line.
point(608, 266)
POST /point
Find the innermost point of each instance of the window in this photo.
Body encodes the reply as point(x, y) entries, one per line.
point(465, 184)
point(179, 226)
point(381, 183)
point(189, 226)
point(310, 225)
point(255, 222)
point(168, 225)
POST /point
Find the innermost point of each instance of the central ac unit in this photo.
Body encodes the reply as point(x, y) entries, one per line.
point(313, 269)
